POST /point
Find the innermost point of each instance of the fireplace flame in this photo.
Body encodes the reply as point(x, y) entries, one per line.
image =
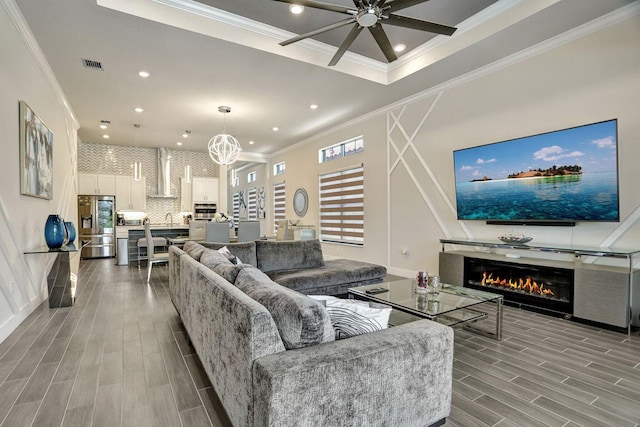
point(526, 285)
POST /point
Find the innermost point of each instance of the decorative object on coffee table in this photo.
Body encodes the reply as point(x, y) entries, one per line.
point(422, 277)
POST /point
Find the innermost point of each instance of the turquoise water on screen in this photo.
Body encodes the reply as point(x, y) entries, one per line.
point(577, 197)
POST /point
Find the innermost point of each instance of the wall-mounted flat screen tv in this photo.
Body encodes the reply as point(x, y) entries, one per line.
point(567, 175)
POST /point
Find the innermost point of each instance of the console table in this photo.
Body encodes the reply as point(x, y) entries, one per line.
point(62, 278)
point(602, 293)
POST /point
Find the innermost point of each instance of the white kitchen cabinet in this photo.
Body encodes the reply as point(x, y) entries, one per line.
point(139, 194)
point(204, 190)
point(130, 194)
point(186, 196)
point(96, 184)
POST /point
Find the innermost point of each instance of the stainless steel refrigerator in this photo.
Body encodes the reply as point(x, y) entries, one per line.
point(96, 217)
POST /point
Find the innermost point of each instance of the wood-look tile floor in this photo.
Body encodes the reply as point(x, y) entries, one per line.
point(120, 357)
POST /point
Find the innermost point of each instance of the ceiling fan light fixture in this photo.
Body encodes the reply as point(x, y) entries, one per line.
point(368, 17)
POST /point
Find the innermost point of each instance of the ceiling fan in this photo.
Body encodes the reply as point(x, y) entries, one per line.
point(368, 14)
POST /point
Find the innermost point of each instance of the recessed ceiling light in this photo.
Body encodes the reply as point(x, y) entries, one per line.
point(103, 126)
point(138, 109)
point(251, 142)
point(400, 47)
point(275, 128)
point(144, 74)
point(296, 9)
point(313, 106)
point(105, 136)
point(178, 143)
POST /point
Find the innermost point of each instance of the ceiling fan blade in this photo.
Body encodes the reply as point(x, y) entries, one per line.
point(402, 4)
point(320, 5)
point(345, 44)
point(319, 31)
point(383, 41)
point(416, 24)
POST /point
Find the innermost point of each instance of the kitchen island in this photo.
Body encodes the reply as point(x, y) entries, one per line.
point(157, 230)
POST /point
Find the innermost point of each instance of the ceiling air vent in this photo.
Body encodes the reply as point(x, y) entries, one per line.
point(94, 65)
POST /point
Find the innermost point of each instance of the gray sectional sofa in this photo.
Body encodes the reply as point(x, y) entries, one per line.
point(300, 265)
point(271, 354)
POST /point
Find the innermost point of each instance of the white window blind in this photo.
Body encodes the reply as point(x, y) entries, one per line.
point(279, 206)
point(236, 208)
point(342, 206)
point(252, 203)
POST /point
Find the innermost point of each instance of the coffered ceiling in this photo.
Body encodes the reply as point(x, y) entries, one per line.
point(207, 53)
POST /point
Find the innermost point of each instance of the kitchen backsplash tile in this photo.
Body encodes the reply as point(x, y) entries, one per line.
point(118, 160)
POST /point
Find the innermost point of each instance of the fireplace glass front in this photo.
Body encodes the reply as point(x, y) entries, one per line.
point(532, 285)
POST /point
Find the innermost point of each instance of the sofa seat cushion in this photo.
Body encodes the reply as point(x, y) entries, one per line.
point(334, 277)
point(246, 251)
point(301, 321)
point(288, 255)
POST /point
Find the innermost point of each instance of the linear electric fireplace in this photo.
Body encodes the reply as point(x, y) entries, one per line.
point(532, 285)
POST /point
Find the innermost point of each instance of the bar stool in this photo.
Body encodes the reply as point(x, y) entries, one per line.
point(142, 243)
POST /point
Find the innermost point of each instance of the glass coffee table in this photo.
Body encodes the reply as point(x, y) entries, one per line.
point(452, 305)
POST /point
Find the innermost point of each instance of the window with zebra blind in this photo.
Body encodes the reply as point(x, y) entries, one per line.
point(342, 206)
point(252, 203)
point(236, 207)
point(279, 204)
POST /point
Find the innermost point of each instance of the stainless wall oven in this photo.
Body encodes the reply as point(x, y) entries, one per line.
point(204, 210)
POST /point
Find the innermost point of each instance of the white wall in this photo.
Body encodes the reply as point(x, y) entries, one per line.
point(25, 75)
point(590, 79)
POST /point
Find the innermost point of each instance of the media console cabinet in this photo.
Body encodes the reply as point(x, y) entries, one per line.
point(599, 284)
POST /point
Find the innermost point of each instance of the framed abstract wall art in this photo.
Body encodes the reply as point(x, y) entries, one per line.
point(36, 155)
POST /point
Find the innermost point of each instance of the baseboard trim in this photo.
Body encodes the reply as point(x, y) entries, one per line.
point(14, 321)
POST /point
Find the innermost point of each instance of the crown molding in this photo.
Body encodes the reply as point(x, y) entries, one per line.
point(25, 32)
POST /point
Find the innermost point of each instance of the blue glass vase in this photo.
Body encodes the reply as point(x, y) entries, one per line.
point(71, 231)
point(54, 231)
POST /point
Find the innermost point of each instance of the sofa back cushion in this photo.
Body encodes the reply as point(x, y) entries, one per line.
point(221, 265)
point(288, 255)
point(301, 321)
point(193, 249)
point(245, 251)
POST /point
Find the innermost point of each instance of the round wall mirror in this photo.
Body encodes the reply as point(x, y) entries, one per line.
point(300, 202)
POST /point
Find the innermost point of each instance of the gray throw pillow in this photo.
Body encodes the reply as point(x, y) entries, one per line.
point(211, 259)
point(301, 321)
point(230, 272)
point(194, 249)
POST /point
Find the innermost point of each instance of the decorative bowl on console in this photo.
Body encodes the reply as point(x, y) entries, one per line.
point(515, 239)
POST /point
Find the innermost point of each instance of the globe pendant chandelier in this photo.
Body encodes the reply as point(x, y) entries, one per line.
point(224, 149)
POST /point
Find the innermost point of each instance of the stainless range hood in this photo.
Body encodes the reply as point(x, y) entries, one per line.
point(164, 175)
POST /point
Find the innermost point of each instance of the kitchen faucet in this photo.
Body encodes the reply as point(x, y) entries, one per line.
point(170, 216)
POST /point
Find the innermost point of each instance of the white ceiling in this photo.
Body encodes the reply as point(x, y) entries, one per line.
point(200, 58)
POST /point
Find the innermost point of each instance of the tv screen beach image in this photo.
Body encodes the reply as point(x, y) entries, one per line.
point(566, 175)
